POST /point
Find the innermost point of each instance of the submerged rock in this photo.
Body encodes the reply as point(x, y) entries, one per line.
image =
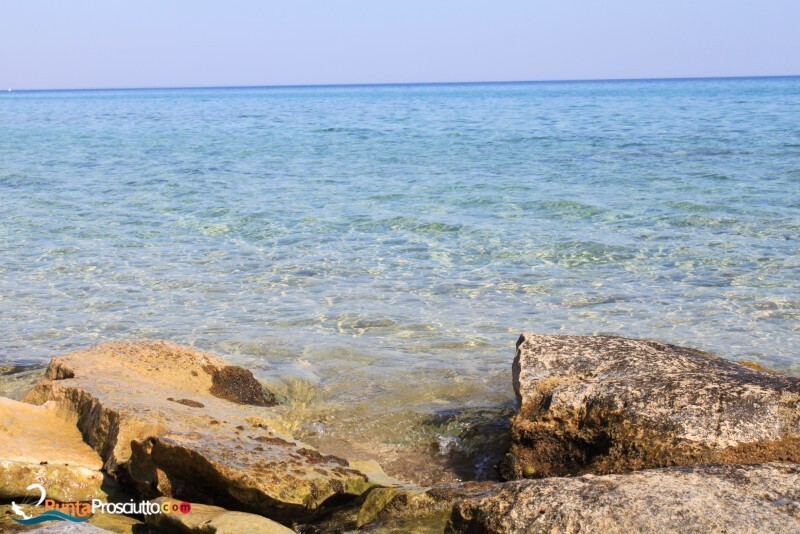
point(16, 381)
point(13, 369)
point(176, 422)
point(39, 447)
point(204, 519)
point(721, 498)
point(599, 404)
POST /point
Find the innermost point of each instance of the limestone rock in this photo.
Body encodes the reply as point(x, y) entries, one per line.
point(400, 506)
point(177, 422)
point(69, 528)
point(391, 502)
point(204, 519)
point(118, 523)
point(17, 380)
point(39, 447)
point(599, 404)
point(721, 498)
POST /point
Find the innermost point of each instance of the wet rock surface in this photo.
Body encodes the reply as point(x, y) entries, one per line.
point(17, 380)
point(204, 519)
point(427, 449)
point(722, 498)
point(37, 446)
point(398, 508)
point(599, 404)
point(172, 421)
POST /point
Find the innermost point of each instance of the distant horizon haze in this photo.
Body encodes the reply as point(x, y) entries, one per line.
point(45, 44)
point(401, 84)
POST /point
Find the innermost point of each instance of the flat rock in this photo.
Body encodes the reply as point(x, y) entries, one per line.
point(601, 404)
point(721, 498)
point(205, 519)
point(177, 422)
point(37, 446)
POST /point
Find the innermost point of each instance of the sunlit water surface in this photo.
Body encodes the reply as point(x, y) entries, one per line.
point(387, 244)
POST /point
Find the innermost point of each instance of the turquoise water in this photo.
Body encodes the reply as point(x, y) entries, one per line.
point(387, 242)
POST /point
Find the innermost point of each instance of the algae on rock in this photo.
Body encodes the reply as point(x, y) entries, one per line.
point(601, 404)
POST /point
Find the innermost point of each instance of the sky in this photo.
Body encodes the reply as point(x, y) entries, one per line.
point(48, 44)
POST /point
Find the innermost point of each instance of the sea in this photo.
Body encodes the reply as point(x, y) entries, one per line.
point(387, 244)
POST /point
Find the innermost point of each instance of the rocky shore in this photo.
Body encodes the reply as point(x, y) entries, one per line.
point(610, 435)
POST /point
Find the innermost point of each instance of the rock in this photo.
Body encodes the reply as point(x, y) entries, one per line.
point(204, 519)
point(396, 506)
point(118, 523)
point(18, 381)
point(376, 474)
point(176, 422)
point(69, 528)
point(391, 503)
point(39, 447)
point(599, 404)
point(721, 498)
point(12, 368)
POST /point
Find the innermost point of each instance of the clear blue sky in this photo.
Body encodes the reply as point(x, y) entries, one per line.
point(146, 43)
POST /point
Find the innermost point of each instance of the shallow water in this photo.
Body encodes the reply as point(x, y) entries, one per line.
point(388, 244)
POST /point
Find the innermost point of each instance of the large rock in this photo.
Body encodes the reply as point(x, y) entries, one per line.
point(599, 404)
point(205, 519)
point(722, 498)
point(177, 422)
point(39, 447)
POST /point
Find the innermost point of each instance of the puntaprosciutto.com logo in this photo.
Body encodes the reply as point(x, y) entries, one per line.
point(78, 512)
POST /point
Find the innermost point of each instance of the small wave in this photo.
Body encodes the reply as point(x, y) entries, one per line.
point(692, 207)
point(587, 302)
point(438, 227)
point(525, 139)
point(568, 208)
point(373, 323)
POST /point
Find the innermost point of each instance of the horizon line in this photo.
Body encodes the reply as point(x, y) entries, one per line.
point(401, 84)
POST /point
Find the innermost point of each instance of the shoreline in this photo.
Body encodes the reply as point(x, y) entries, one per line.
point(383, 500)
